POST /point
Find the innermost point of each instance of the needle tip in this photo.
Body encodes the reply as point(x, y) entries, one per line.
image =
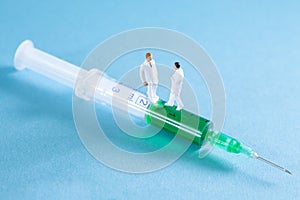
point(273, 164)
point(287, 171)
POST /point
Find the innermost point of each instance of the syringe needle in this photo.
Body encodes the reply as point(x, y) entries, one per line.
point(273, 164)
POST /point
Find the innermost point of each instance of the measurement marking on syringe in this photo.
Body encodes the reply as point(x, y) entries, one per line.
point(142, 101)
point(115, 89)
point(131, 96)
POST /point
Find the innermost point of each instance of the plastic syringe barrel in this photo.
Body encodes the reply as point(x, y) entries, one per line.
point(89, 85)
point(27, 56)
point(95, 85)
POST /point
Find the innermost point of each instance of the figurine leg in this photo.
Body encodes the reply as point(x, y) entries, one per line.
point(179, 102)
point(171, 100)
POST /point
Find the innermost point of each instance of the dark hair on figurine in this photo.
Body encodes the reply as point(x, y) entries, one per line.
point(177, 65)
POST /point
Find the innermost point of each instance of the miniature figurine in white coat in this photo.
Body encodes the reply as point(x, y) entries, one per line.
point(177, 80)
point(149, 77)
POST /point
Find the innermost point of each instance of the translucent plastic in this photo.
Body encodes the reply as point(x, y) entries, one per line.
point(27, 56)
point(87, 84)
point(95, 85)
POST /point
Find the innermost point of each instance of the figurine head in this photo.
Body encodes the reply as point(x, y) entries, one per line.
point(176, 65)
point(148, 57)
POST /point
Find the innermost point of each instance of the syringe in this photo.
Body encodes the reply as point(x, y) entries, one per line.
point(96, 85)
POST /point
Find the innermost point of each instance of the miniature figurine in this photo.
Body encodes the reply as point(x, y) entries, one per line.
point(177, 80)
point(149, 77)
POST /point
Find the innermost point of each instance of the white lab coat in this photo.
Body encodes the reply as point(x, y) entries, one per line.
point(177, 80)
point(147, 73)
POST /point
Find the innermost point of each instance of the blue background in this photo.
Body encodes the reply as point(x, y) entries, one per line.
point(256, 46)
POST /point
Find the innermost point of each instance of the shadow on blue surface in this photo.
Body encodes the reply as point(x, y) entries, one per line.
point(215, 163)
point(31, 94)
point(43, 130)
